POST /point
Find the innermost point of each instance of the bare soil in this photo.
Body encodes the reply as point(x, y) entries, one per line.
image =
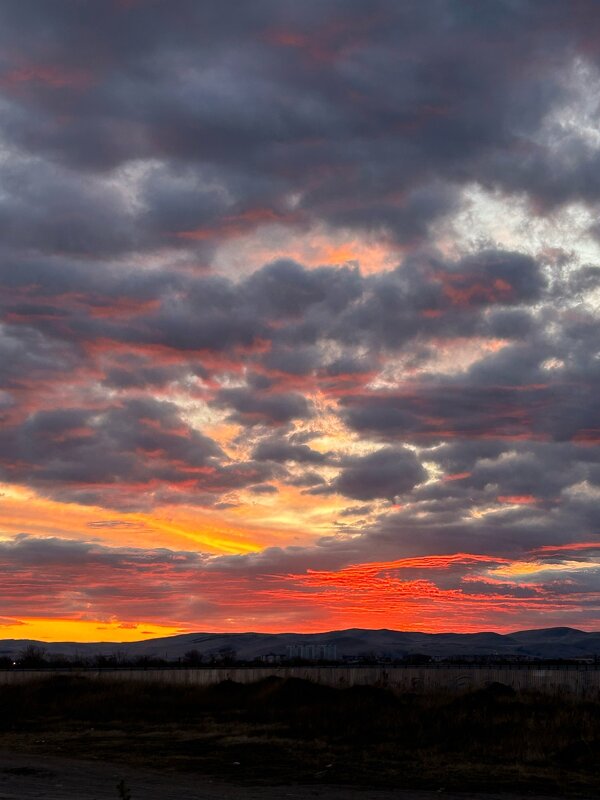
point(32, 777)
point(78, 738)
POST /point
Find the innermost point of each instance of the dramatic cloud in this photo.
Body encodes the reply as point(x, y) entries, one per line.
point(299, 312)
point(388, 473)
point(163, 586)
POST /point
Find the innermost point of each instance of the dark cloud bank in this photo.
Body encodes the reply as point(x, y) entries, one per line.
point(139, 137)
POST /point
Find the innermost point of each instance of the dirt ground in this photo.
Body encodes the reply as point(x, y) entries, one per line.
point(28, 777)
point(276, 739)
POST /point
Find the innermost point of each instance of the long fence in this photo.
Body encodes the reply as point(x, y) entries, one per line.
point(582, 681)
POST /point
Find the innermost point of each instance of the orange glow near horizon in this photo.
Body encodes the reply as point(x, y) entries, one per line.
point(475, 594)
point(403, 594)
point(75, 630)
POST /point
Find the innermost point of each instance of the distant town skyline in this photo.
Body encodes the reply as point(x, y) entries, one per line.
point(299, 316)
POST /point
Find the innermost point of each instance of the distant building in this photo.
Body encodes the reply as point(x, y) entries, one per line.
point(312, 652)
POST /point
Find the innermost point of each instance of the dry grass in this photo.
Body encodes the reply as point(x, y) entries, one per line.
point(279, 731)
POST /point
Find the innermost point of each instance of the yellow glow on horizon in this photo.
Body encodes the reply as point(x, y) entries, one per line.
point(74, 630)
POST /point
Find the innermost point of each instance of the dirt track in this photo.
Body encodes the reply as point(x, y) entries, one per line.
point(26, 777)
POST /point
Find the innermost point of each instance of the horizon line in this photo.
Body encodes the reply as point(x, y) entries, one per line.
point(296, 633)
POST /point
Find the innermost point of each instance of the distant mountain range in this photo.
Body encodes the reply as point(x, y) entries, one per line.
point(542, 643)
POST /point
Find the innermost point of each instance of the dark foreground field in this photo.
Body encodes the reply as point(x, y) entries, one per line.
point(293, 732)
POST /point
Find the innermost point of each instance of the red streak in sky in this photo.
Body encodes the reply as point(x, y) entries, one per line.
point(517, 499)
point(552, 548)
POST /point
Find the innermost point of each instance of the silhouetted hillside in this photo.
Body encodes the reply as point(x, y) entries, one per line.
point(550, 643)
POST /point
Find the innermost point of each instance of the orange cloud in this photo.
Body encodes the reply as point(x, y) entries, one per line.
point(178, 527)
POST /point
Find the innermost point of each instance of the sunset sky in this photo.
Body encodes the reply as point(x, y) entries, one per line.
point(299, 316)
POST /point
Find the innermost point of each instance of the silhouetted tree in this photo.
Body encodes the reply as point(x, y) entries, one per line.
point(193, 658)
point(417, 659)
point(32, 656)
point(227, 656)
